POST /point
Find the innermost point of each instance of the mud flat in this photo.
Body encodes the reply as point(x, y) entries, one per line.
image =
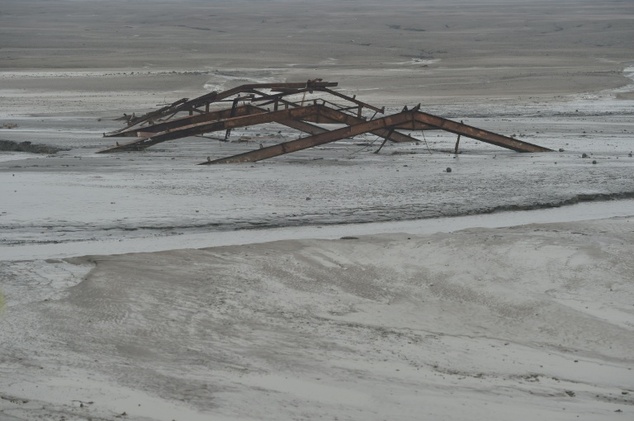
point(415, 51)
point(534, 320)
point(334, 282)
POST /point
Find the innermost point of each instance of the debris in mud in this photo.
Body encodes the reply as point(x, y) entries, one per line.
point(10, 146)
point(9, 125)
point(13, 399)
point(81, 404)
point(261, 103)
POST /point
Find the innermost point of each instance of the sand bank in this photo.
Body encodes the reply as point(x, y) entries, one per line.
point(530, 321)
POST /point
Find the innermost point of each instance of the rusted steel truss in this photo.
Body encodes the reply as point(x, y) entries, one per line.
point(252, 105)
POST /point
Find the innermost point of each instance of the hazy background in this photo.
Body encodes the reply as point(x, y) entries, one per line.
point(437, 47)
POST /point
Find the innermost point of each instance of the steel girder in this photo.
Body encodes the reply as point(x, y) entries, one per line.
point(387, 124)
point(165, 124)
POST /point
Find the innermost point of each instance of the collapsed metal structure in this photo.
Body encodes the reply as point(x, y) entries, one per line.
point(255, 104)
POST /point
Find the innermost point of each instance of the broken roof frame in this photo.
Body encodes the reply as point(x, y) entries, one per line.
point(251, 105)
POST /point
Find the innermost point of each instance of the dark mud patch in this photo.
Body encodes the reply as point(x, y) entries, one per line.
point(10, 146)
point(63, 233)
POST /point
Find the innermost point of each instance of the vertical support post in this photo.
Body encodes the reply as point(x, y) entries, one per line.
point(389, 133)
point(457, 142)
point(232, 114)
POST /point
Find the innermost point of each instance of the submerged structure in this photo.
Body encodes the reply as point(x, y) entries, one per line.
point(305, 107)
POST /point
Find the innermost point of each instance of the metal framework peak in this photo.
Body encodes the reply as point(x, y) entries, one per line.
point(297, 106)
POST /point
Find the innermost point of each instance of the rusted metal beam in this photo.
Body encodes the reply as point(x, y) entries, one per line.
point(318, 139)
point(160, 112)
point(263, 99)
point(386, 124)
point(354, 100)
point(296, 115)
point(186, 104)
point(329, 115)
point(358, 104)
point(137, 121)
point(336, 116)
point(217, 96)
point(296, 124)
point(302, 126)
point(230, 123)
point(247, 109)
point(184, 121)
point(479, 134)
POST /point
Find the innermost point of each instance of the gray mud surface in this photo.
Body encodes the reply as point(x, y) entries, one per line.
point(10, 146)
point(532, 319)
point(519, 322)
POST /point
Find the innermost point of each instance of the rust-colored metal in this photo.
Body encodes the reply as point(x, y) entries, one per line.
point(210, 127)
point(330, 115)
point(316, 140)
point(478, 134)
point(252, 105)
point(191, 105)
point(184, 121)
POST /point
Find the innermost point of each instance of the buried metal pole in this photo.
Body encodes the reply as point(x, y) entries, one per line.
point(381, 147)
point(389, 133)
point(458, 141)
point(232, 114)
